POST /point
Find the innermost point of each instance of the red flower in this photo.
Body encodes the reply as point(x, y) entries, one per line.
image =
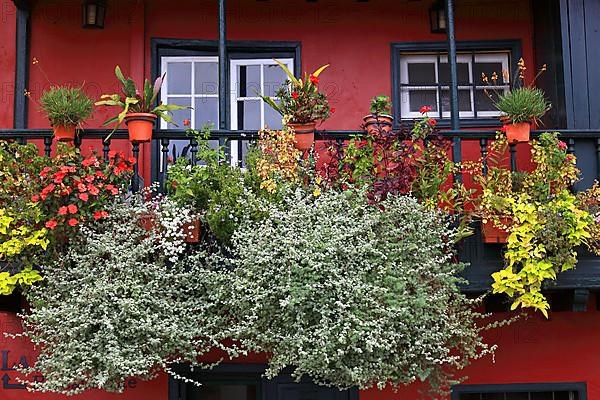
point(294, 95)
point(432, 122)
point(83, 197)
point(100, 175)
point(63, 210)
point(73, 222)
point(93, 190)
point(44, 172)
point(112, 189)
point(503, 129)
point(89, 178)
point(35, 198)
point(59, 176)
point(332, 110)
point(112, 154)
point(425, 109)
point(51, 224)
point(314, 80)
point(100, 214)
point(131, 160)
point(48, 189)
point(187, 122)
point(562, 145)
point(81, 187)
point(72, 208)
point(89, 161)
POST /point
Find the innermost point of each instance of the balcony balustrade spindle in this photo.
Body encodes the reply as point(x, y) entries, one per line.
point(47, 145)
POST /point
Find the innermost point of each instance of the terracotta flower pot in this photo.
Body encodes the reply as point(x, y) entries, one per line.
point(192, 231)
point(516, 133)
point(375, 123)
point(64, 133)
point(492, 234)
point(146, 222)
point(140, 126)
point(305, 135)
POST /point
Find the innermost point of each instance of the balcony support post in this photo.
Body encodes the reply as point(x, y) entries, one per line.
point(23, 39)
point(454, 110)
point(222, 66)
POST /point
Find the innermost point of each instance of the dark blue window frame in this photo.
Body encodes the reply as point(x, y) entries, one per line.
point(579, 387)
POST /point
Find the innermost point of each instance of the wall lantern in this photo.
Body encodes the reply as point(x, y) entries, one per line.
point(437, 17)
point(94, 12)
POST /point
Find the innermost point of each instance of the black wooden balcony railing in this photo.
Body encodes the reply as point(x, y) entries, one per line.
point(484, 258)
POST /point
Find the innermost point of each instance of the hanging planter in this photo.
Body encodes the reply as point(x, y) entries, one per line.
point(305, 134)
point(376, 123)
point(493, 234)
point(140, 126)
point(192, 231)
point(517, 133)
point(64, 133)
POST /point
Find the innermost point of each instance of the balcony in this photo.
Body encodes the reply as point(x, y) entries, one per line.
point(483, 258)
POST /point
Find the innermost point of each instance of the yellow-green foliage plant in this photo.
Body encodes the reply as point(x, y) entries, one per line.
point(22, 236)
point(546, 224)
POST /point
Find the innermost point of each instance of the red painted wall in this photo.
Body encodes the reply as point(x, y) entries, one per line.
point(355, 38)
point(7, 62)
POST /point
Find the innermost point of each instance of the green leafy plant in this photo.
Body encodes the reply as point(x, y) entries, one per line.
point(523, 105)
point(380, 105)
point(134, 101)
point(66, 106)
point(545, 222)
point(300, 99)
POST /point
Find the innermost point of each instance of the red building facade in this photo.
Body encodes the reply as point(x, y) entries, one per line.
point(371, 46)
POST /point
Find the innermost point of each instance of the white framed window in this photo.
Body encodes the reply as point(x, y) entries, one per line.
point(192, 82)
point(425, 81)
point(248, 79)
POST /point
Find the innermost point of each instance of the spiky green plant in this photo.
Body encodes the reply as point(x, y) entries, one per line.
point(65, 105)
point(523, 105)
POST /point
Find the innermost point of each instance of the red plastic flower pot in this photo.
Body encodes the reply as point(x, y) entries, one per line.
point(192, 231)
point(492, 234)
point(378, 123)
point(64, 133)
point(516, 133)
point(140, 126)
point(305, 135)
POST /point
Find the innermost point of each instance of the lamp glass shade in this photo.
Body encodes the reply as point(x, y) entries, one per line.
point(94, 12)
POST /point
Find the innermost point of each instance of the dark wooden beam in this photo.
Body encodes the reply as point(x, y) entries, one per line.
point(21, 64)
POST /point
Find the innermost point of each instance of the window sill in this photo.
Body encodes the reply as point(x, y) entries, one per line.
point(446, 123)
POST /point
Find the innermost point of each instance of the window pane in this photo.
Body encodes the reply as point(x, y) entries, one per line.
point(179, 78)
point(492, 396)
point(421, 74)
point(464, 100)
point(206, 78)
point(272, 118)
point(462, 72)
point(517, 396)
point(206, 110)
point(566, 395)
point(418, 98)
point(249, 115)
point(300, 391)
point(470, 396)
point(180, 115)
point(541, 396)
point(488, 68)
point(483, 101)
point(274, 78)
point(221, 392)
point(248, 80)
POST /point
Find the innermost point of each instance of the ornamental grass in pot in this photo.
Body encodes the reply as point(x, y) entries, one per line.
point(301, 105)
point(138, 109)
point(520, 107)
point(380, 119)
point(67, 108)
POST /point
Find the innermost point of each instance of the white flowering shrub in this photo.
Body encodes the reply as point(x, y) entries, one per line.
point(112, 308)
point(353, 294)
